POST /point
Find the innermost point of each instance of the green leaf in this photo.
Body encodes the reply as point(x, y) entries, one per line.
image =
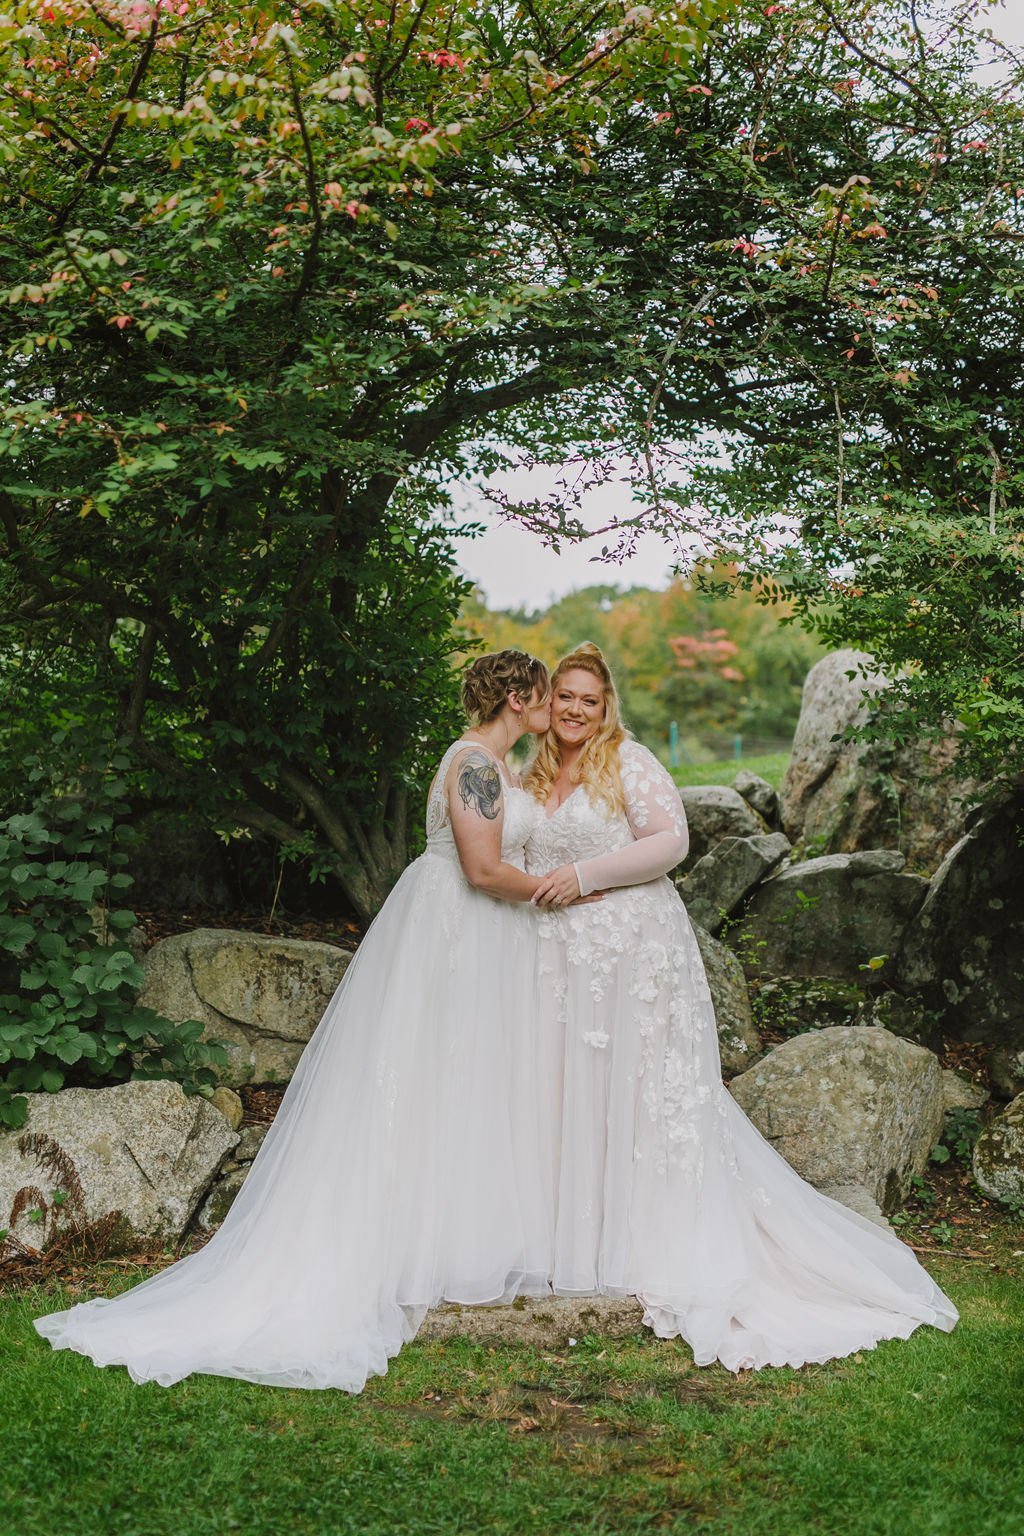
point(13, 1109)
point(16, 935)
point(69, 1049)
point(53, 946)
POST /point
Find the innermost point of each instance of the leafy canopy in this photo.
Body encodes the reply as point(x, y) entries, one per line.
point(267, 271)
point(274, 276)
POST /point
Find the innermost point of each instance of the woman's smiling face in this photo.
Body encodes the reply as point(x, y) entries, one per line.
point(577, 707)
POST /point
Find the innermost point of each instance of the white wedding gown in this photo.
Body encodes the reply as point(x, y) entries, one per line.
point(470, 1125)
point(660, 1187)
point(402, 1166)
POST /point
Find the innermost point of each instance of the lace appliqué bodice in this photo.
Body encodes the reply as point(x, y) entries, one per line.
point(580, 828)
point(584, 828)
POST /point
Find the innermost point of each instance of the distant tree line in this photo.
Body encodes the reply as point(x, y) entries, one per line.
point(705, 652)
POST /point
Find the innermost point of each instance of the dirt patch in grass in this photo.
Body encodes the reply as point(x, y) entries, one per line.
point(525, 1410)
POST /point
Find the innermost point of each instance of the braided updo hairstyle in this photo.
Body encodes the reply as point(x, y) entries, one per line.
point(488, 681)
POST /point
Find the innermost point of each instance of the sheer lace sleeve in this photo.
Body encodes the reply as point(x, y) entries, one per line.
point(657, 820)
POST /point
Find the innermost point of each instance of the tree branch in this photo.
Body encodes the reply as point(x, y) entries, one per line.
point(886, 68)
point(309, 261)
point(51, 122)
point(261, 820)
point(131, 725)
point(402, 54)
point(588, 64)
point(346, 840)
point(103, 154)
point(101, 16)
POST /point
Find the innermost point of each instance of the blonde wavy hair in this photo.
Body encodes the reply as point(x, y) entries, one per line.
point(598, 764)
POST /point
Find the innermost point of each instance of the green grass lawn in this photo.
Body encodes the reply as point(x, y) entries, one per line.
point(620, 1438)
point(770, 767)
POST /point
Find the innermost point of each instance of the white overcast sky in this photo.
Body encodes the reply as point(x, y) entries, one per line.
point(514, 569)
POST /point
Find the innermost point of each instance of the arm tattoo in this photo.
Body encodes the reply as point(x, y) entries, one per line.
point(480, 785)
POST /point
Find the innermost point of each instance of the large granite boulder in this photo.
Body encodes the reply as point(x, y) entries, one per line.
point(960, 1092)
point(759, 795)
point(738, 1040)
point(141, 1150)
point(964, 950)
point(831, 916)
point(848, 1105)
point(262, 996)
point(840, 796)
point(999, 1156)
point(714, 811)
point(723, 878)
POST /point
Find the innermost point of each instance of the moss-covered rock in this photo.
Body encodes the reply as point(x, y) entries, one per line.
point(262, 996)
point(142, 1150)
point(714, 812)
point(738, 1039)
point(848, 1106)
point(842, 916)
point(841, 795)
point(964, 949)
point(999, 1156)
point(791, 1005)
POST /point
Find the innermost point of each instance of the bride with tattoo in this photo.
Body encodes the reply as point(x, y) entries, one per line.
point(403, 1164)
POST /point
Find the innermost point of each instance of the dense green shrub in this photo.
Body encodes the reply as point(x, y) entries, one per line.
point(68, 980)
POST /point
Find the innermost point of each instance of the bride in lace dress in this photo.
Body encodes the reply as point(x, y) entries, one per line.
point(403, 1163)
point(659, 1186)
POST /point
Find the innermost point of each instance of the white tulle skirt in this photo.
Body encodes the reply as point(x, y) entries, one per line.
point(496, 1104)
point(402, 1168)
point(663, 1187)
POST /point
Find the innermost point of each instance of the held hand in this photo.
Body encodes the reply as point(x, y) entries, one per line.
point(557, 889)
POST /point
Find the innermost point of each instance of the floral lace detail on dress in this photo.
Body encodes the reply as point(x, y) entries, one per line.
point(632, 964)
point(648, 784)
